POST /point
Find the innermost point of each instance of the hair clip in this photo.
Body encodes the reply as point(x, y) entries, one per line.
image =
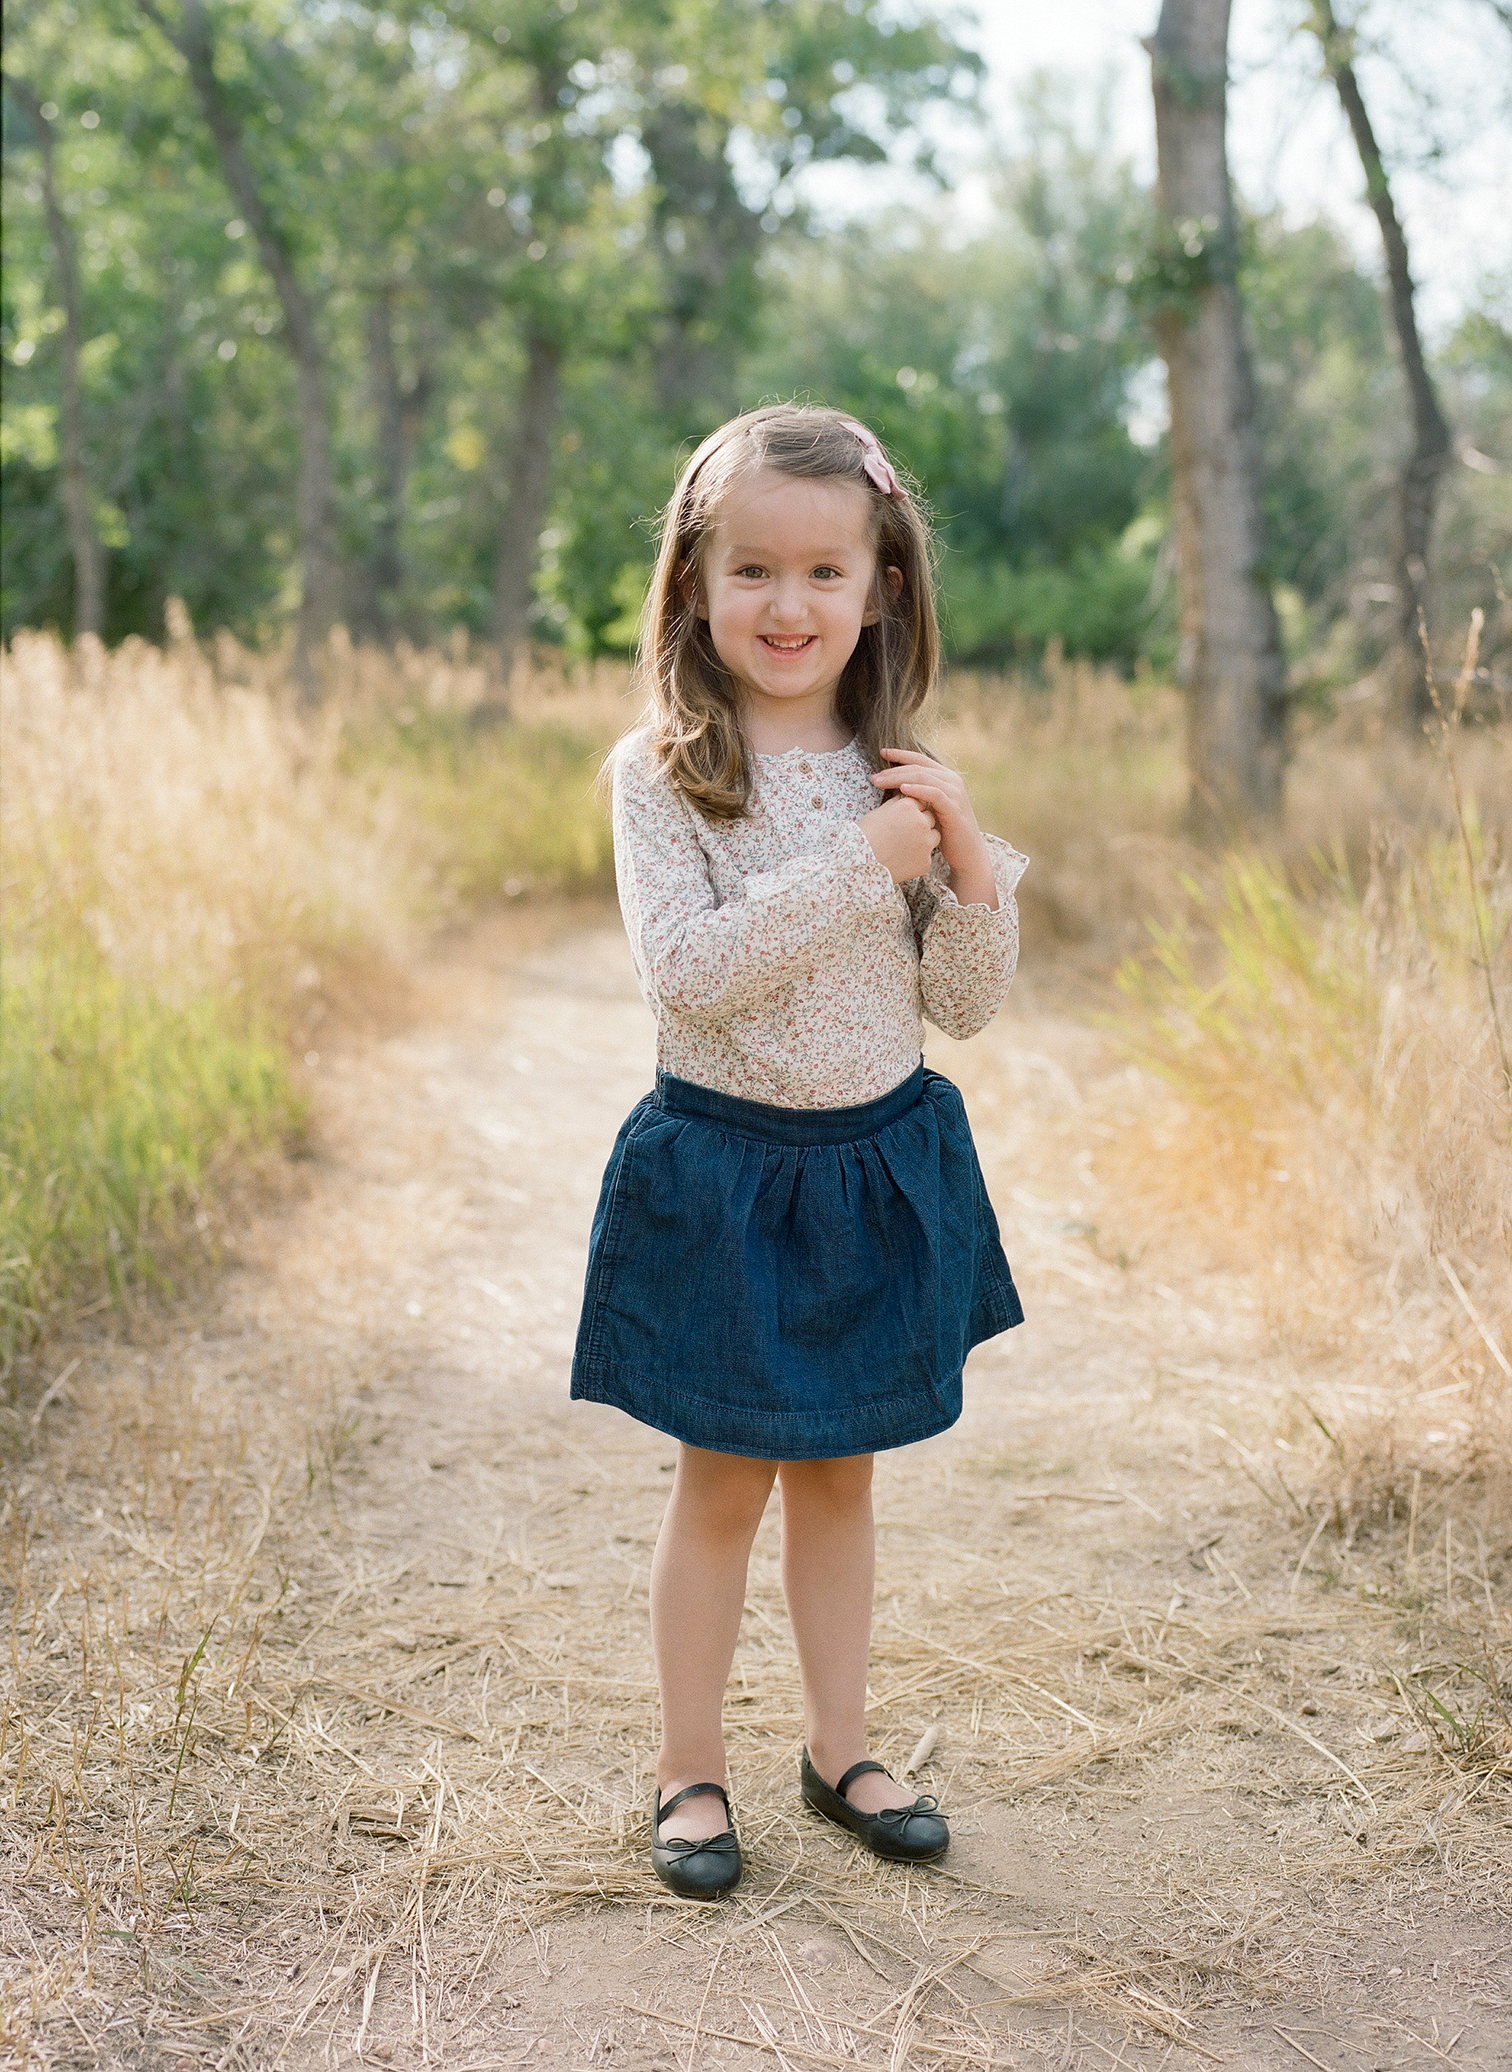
point(879, 469)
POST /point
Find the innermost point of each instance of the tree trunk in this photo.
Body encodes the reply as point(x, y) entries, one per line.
point(319, 605)
point(84, 541)
point(708, 240)
point(1423, 469)
point(529, 481)
point(390, 459)
point(1230, 645)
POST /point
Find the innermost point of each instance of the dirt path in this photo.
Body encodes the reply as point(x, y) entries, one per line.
point(1193, 1820)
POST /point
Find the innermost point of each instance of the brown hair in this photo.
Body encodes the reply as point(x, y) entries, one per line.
point(694, 716)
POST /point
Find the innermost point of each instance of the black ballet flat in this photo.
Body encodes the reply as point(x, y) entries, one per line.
point(704, 1869)
point(903, 1834)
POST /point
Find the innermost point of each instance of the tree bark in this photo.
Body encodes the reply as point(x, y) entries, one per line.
point(320, 595)
point(529, 491)
point(708, 241)
point(1423, 469)
point(396, 414)
point(1230, 661)
point(84, 541)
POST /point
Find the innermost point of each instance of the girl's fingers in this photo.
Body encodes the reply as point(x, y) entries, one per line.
point(913, 780)
point(923, 805)
point(931, 796)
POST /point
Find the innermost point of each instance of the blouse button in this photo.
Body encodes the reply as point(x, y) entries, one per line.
point(816, 803)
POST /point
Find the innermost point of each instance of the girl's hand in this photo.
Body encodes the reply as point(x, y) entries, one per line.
point(903, 836)
point(942, 792)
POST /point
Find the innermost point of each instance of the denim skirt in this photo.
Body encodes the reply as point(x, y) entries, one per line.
point(791, 1283)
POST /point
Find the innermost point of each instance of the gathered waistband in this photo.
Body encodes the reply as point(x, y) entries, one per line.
point(787, 1125)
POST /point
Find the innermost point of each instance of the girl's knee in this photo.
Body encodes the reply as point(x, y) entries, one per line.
point(831, 1484)
point(725, 1492)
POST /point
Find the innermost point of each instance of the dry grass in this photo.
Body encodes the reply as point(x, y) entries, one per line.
point(269, 1779)
point(1338, 1129)
point(200, 875)
point(198, 866)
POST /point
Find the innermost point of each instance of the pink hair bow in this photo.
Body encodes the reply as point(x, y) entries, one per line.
point(879, 469)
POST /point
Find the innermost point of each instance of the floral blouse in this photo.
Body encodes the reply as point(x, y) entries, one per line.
point(780, 960)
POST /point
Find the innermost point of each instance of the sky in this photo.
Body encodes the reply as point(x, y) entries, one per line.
point(1442, 77)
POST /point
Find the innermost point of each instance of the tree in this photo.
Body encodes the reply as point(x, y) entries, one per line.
point(1229, 658)
point(1423, 468)
point(781, 87)
point(320, 591)
point(78, 503)
point(555, 198)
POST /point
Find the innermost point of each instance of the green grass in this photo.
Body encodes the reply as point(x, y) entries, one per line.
point(1301, 989)
point(117, 1109)
point(510, 807)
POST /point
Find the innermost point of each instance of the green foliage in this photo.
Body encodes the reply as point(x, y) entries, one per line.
point(1180, 262)
point(514, 807)
point(1329, 408)
point(1000, 372)
point(118, 1105)
point(452, 184)
point(446, 185)
point(1096, 604)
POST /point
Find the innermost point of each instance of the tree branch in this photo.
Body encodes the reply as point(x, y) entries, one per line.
point(1431, 438)
point(78, 508)
point(194, 41)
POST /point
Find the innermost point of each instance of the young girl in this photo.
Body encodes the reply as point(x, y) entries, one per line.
point(793, 1250)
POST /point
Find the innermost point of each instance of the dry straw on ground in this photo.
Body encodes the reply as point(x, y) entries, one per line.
point(262, 1768)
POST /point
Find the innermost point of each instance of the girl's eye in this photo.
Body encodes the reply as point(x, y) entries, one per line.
point(751, 570)
point(826, 570)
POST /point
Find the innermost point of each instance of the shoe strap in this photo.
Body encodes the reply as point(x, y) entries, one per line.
point(690, 1791)
point(859, 1770)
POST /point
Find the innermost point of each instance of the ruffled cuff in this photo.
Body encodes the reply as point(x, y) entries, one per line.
point(1008, 866)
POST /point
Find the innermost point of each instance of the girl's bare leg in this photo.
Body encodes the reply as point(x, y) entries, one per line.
point(828, 1570)
point(698, 1583)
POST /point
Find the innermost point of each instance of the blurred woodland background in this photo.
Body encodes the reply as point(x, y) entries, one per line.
point(403, 316)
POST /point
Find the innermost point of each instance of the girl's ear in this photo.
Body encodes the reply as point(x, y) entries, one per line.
point(688, 590)
point(893, 577)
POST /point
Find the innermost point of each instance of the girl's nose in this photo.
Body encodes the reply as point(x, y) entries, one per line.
point(787, 603)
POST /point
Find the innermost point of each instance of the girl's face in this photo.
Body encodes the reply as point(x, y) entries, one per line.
point(785, 581)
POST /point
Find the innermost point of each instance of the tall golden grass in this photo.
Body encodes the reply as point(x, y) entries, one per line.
point(196, 867)
point(1335, 1035)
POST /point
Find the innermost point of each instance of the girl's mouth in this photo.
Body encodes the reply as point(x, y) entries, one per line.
point(786, 646)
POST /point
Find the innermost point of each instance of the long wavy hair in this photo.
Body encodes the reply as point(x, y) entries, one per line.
point(693, 716)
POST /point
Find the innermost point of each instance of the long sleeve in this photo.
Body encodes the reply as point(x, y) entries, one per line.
point(967, 954)
point(710, 961)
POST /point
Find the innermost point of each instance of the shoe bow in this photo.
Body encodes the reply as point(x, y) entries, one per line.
point(896, 1815)
point(715, 1845)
